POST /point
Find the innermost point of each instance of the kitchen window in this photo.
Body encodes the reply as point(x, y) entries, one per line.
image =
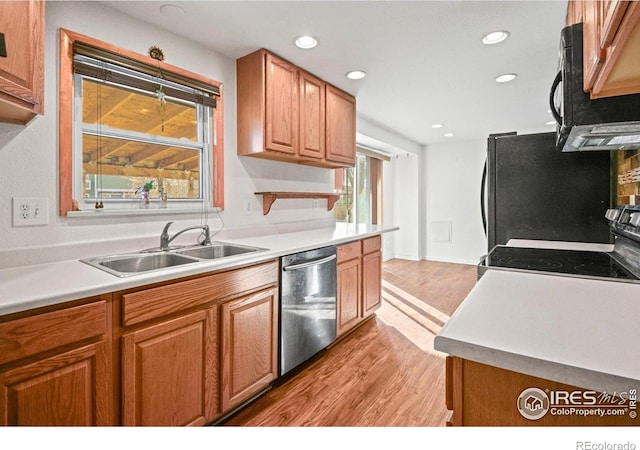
point(361, 187)
point(144, 134)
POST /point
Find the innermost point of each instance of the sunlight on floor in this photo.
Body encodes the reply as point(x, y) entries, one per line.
point(415, 319)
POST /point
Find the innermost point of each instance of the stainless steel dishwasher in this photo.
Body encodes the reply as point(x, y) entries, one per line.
point(307, 305)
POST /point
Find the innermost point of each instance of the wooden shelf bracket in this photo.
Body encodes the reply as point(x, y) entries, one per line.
point(269, 197)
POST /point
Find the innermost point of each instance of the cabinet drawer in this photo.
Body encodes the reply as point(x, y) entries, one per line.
point(348, 251)
point(32, 335)
point(160, 301)
point(372, 244)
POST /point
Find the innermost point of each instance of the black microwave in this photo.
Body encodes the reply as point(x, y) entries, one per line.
point(611, 123)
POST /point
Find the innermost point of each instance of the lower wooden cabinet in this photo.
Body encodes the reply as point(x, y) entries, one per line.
point(169, 372)
point(249, 330)
point(56, 367)
point(482, 395)
point(371, 282)
point(349, 294)
point(183, 352)
point(192, 350)
point(68, 389)
point(359, 271)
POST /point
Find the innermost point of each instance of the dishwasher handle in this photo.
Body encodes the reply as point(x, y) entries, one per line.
point(304, 265)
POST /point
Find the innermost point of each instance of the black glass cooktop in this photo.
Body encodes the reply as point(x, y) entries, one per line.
point(571, 262)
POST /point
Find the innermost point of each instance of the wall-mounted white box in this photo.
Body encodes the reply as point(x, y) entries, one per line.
point(440, 231)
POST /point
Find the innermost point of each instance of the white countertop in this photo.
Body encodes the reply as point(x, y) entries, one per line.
point(28, 287)
point(577, 331)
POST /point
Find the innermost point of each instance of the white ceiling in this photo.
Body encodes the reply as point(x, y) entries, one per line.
point(424, 59)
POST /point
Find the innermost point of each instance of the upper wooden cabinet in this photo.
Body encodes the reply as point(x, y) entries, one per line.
point(281, 106)
point(22, 70)
point(287, 114)
point(593, 53)
point(611, 45)
point(574, 12)
point(341, 126)
point(312, 116)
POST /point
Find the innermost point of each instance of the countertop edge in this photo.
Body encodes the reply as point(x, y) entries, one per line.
point(549, 370)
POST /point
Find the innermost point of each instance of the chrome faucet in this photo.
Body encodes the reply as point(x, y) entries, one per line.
point(165, 240)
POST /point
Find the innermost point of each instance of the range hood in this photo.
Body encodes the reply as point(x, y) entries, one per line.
point(611, 123)
point(614, 136)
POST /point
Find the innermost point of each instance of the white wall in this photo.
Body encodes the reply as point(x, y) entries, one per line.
point(406, 206)
point(449, 174)
point(28, 156)
point(453, 173)
point(401, 195)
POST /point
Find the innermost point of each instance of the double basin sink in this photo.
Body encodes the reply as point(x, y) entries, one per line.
point(129, 264)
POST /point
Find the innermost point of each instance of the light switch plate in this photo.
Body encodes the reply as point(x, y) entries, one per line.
point(29, 211)
point(248, 207)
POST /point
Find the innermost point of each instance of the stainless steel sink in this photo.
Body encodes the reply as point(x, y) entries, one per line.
point(216, 250)
point(129, 264)
point(132, 264)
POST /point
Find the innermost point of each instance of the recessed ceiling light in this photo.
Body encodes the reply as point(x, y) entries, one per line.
point(437, 125)
point(306, 42)
point(506, 77)
point(356, 74)
point(170, 10)
point(495, 37)
point(448, 134)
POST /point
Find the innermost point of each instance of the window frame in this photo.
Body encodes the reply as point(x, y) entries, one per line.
point(373, 178)
point(66, 125)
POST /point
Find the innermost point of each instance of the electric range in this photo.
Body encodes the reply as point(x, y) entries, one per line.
point(621, 264)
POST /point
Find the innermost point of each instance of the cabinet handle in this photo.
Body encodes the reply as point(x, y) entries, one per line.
point(309, 264)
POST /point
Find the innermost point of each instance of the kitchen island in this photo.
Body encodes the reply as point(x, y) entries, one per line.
point(520, 330)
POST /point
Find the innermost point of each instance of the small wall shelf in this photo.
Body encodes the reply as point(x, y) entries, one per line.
point(269, 197)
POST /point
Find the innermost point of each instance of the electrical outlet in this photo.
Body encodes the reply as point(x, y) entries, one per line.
point(28, 211)
point(316, 203)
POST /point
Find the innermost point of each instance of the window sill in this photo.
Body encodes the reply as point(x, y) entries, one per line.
point(137, 212)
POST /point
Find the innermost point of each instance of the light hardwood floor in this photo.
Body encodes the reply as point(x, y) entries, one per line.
point(385, 373)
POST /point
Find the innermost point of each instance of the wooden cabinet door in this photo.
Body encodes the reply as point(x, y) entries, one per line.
point(340, 126)
point(312, 116)
point(612, 13)
point(593, 54)
point(281, 115)
point(22, 70)
point(371, 282)
point(349, 295)
point(69, 389)
point(574, 12)
point(169, 372)
point(620, 72)
point(249, 357)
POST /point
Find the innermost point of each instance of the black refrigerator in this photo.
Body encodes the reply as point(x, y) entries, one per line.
point(534, 191)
